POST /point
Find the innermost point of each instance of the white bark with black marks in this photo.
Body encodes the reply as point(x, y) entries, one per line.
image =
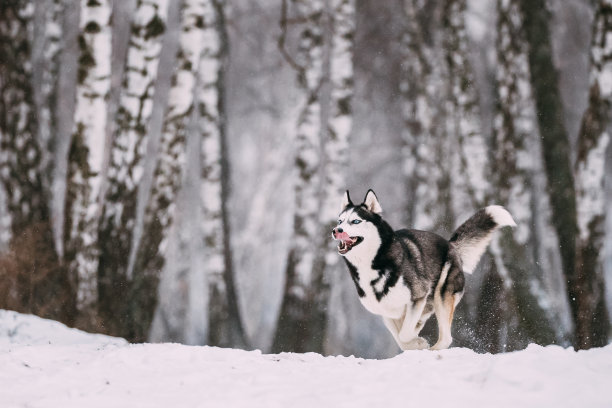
point(307, 149)
point(224, 325)
point(46, 49)
point(592, 321)
point(340, 118)
point(209, 127)
point(170, 174)
point(121, 291)
point(88, 146)
point(20, 150)
point(134, 112)
point(516, 163)
point(469, 158)
point(423, 138)
point(171, 161)
point(295, 320)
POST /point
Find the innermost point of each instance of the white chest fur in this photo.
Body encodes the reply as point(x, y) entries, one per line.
point(392, 304)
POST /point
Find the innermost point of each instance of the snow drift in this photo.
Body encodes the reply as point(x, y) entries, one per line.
point(45, 364)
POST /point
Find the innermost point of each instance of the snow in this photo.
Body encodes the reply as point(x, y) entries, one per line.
point(46, 364)
point(19, 330)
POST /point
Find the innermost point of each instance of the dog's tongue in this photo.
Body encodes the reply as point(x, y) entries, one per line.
point(343, 236)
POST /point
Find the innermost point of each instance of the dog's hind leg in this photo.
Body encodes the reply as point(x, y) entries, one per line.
point(444, 309)
point(447, 295)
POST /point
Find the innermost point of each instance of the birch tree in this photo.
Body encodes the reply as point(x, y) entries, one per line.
point(424, 141)
point(225, 327)
point(294, 322)
point(341, 29)
point(171, 161)
point(124, 174)
point(31, 267)
point(469, 162)
point(587, 286)
point(87, 148)
point(170, 168)
point(555, 149)
point(520, 294)
point(46, 49)
point(20, 151)
point(325, 54)
point(575, 199)
point(336, 143)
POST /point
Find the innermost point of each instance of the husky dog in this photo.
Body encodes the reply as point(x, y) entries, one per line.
point(406, 275)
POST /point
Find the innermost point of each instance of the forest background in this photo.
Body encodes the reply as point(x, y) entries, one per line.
point(170, 170)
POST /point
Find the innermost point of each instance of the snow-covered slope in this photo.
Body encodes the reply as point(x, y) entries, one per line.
point(106, 372)
point(26, 330)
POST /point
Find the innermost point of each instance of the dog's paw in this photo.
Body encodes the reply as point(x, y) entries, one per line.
point(441, 344)
point(417, 343)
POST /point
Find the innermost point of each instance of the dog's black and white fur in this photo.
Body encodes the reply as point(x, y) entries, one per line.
point(407, 275)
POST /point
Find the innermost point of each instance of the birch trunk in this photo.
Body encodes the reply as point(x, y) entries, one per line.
point(341, 29)
point(516, 162)
point(553, 135)
point(46, 49)
point(424, 141)
point(124, 175)
point(225, 327)
point(294, 321)
point(87, 151)
point(336, 142)
point(469, 162)
point(20, 152)
point(39, 285)
point(169, 175)
point(587, 286)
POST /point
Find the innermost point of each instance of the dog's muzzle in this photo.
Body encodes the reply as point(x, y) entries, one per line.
point(346, 242)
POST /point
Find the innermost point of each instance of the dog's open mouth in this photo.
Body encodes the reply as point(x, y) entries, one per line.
point(348, 243)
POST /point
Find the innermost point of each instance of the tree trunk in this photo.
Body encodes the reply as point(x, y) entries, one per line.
point(46, 50)
point(38, 280)
point(516, 143)
point(295, 322)
point(469, 158)
point(339, 98)
point(20, 151)
point(591, 317)
point(169, 173)
point(131, 315)
point(225, 327)
point(422, 108)
point(553, 135)
point(87, 147)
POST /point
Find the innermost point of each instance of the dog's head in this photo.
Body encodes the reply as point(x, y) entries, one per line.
point(357, 231)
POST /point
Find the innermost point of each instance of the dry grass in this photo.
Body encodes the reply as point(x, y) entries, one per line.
point(32, 279)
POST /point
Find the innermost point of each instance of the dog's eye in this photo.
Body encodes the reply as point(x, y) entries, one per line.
point(339, 222)
point(355, 221)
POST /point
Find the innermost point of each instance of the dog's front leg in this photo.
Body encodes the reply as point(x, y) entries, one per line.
point(412, 316)
point(394, 325)
point(410, 328)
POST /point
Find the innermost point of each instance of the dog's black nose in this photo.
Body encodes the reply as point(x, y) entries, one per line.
point(339, 230)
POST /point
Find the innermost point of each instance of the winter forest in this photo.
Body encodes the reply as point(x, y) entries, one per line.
point(172, 170)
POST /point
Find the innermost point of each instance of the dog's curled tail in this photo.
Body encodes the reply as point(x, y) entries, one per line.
point(473, 236)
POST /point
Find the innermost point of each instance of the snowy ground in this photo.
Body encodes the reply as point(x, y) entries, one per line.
point(45, 364)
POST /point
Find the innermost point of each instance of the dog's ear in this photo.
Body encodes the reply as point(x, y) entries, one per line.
point(371, 202)
point(346, 201)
